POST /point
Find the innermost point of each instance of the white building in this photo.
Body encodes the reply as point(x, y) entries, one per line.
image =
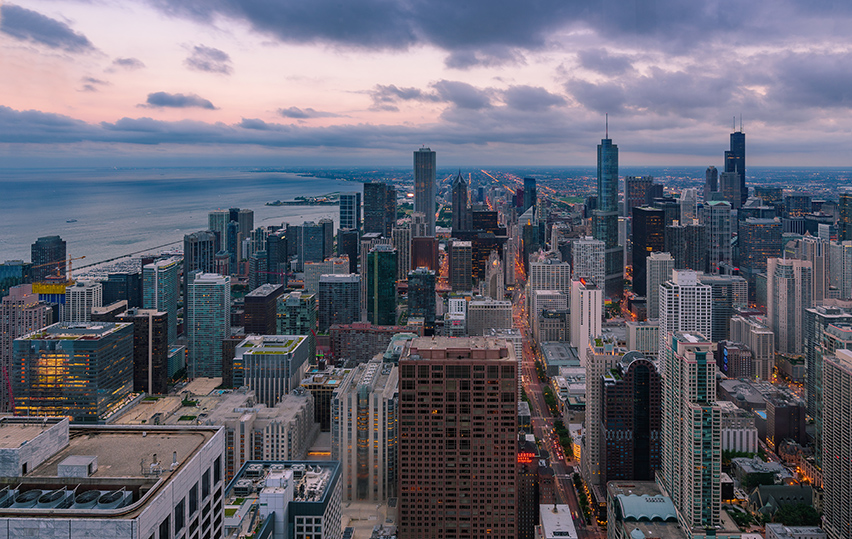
point(739, 432)
point(486, 314)
point(208, 322)
point(314, 270)
point(364, 435)
point(759, 339)
point(685, 305)
point(659, 270)
point(586, 313)
point(550, 274)
point(840, 267)
point(80, 299)
point(789, 284)
point(837, 444)
point(587, 254)
point(644, 337)
point(556, 522)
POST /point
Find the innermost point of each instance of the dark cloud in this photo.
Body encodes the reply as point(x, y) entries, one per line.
point(128, 63)
point(254, 123)
point(604, 62)
point(813, 79)
point(28, 25)
point(490, 56)
point(601, 98)
point(531, 98)
point(210, 60)
point(181, 101)
point(304, 114)
point(90, 84)
point(462, 94)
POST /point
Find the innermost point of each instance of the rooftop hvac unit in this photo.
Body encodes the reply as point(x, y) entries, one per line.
point(114, 499)
point(254, 470)
point(7, 496)
point(278, 467)
point(54, 499)
point(27, 499)
point(88, 499)
point(243, 488)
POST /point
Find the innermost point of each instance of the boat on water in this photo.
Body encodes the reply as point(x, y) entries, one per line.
point(71, 221)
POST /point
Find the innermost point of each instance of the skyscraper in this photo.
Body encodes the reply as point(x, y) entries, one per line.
point(659, 270)
point(728, 292)
point(48, 257)
point(598, 358)
point(688, 204)
point(729, 189)
point(80, 298)
point(421, 298)
point(458, 479)
point(401, 238)
point(692, 440)
point(605, 218)
point(461, 265)
point(530, 194)
point(20, 313)
point(788, 294)
point(160, 290)
point(638, 191)
point(350, 210)
point(735, 161)
point(150, 349)
point(711, 183)
point(339, 300)
point(716, 218)
point(424, 187)
point(837, 445)
point(587, 259)
point(844, 221)
point(261, 310)
point(461, 211)
point(381, 285)
point(586, 312)
point(199, 251)
point(648, 237)
point(347, 244)
point(208, 322)
point(217, 221)
point(272, 365)
point(687, 243)
point(379, 208)
point(297, 315)
point(685, 305)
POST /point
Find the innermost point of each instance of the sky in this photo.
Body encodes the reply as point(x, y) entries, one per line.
point(366, 82)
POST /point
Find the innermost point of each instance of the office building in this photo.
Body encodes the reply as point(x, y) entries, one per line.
point(424, 253)
point(311, 242)
point(639, 191)
point(297, 315)
point(401, 239)
point(691, 431)
point(605, 218)
point(648, 237)
point(644, 337)
point(339, 300)
point(599, 357)
point(461, 265)
point(461, 210)
point(261, 310)
point(759, 340)
point(421, 298)
point(48, 258)
point(486, 314)
point(528, 487)
point(735, 161)
point(20, 313)
point(150, 349)
point(837, 444)
point(816, 251)
point(381, 285)
point(80, 298)
point(729, 292)
point(586, 313)
point(86, 480)
point(160, 284)
point(199, 253)
point(123, 286)
point(729, 189)
point(788, 295)
point(630, 420)
point(587, 259)
point(659, 268)
point(277, 258)
point(348, 241)
point(685, 305)
point(350, 210)
point(364, 431)
point(314, 270)
point(550, 274)
point(271, 365)
point(759, 240)
point(359, 342)
point(840, 268)
point(379, 208)
point(368, 241)
point(780, 531)
point(734, 360)
point(687, 243)
point(688, 204)
point(462, 468)
point(14, 273)
point(208, 322)
point(321, 384)
point(844, 221)
point(711, 182)
point(493, 285)
point(716, 218)
point(530, 194)
point(83, 370)
point(217, 222)
point(424, 188)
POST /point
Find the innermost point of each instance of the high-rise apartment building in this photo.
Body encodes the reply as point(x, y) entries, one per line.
point(82, 369)
point(379, 208)
point(691, 427)
point(125, 285)
point(14, 273)
point(486, 314)
point(735, 161)
point(365, 431)
point(760, 341)
point(48, 257)
point(728, 293)
point(199, 252)
point(350, 210)
point(314, 270)
point(208, 322)
point(716, 218)
point(458, 479)
point(648, 237)
point(160, 283)
point(297, 315)
point(816, 251)
point(401, 238)
point(550, 274)
point(638, 191)
point(217, 221)
point(600, 356)
point(587, 259)
point(421, 298)
point(788, 294)
point(150, 349)
point(605, 218)
point(711, 182)
point(271, 365)
point(685, 305)
point(688, 204)
point(311, 239)
point(759, 240)
point(348, 241)
point(840, 268)
point(586, 313)
point(381, 285)
point(461, 210)
point(261, 310)
point(20, 313)
point(659, 270)
point(424, 187)
point(80, 299)
point(339, 300)
point(461, 265)
point(837, 444)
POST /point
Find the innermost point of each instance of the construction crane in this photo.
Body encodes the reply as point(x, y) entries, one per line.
point(58, 264)
point(54, 286)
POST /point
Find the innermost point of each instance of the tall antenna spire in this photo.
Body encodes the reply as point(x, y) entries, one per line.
point(607, 125)
point(741, 122)
point(735, 123)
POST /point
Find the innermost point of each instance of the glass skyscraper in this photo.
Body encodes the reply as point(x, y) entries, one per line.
point(208, 322)
point(381, 285)
point(735, 161)
point(605, 218)
point(424, 187)
point(160, 290)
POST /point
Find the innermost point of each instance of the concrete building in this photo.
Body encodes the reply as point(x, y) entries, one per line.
point(359, 342)
point(199, 252)
point(687, 243)
point(760, 341)
point(486, 314)
point(20, 313)
point(208, 322)
point(635, 507)
point(339, 300)
point(454, 464)
point(364, 431)
point(780, 531)
point(789, 286)
point(322, 383)
point(837, 444)
point(87, 481)
point(685, 305)
point(80, 299)
point(738, 429)
point(160, 290)
point(556, 522)
point(840, 268)
point(659, 270)
point(586, 313)
point(271, 365)
point(401, 238)
point(81, 370)
point(716, 218)
point(734, 360)
point(550, 274)
point(315, 270)
point(728, 293)
point(643, 337)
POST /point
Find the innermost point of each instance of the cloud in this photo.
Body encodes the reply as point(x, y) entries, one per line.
point(28, 25)
point(210, 60)
point(302, 114)
point(90, 84)
point(181, 101)
point(604, 62)
point(818, 80)
point(254, 123)
point(491, 56)
point(462, 94)
point(128, 63)
point(531, 98)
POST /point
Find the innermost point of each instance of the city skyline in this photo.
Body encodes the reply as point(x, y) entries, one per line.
point(241, 83)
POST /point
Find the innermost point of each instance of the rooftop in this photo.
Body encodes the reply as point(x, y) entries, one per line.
point(312, 479)
point(477, 348)
point(271, 344)
point(75, 331)
point(264, 290)
point(15, 433)
point(557, 521)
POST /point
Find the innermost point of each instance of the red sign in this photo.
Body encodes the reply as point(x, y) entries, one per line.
point(525, 458)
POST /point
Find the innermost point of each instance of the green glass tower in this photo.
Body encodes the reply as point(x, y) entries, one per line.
point(381, 285)
point(605, 218)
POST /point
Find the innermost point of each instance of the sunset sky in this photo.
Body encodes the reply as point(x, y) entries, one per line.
point(366, 82)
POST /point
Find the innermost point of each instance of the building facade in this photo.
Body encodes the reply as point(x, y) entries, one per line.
point(424, 187)
point(208, 322)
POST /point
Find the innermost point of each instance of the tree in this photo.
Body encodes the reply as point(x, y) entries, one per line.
point(800, 514)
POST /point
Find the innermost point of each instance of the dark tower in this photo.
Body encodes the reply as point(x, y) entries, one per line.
point(461, 212)
point(48, 257)
point(530, 194)
point(648, 237)
point(735, 160)
point(605, 218)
